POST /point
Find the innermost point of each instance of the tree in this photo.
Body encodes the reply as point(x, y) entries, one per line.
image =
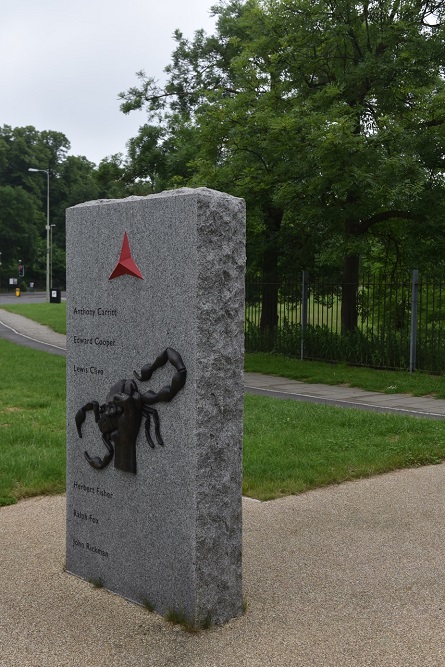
point(326, 116)
point(203, 118)
point(24, 220)
point(18, 233)
point(375, 85)
point(109, 177)
point(74, 182)
point(23, 197)
point(146, 160)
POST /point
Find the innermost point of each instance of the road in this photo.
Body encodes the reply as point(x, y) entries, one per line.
point(25, 297)
point(12, 331)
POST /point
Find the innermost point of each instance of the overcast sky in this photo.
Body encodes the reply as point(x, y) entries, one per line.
point(64, 62)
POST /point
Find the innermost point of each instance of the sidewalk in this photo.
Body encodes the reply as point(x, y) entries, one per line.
point(347, 576)
point(347, 397)
point(23, 331)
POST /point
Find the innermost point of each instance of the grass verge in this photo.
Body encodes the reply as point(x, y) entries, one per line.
point(370, 379)
point(292, 447)
point(32, 423)
point(53, 315)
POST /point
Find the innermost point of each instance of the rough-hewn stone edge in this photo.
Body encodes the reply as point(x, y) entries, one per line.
point(220, 350)
point(157, 195)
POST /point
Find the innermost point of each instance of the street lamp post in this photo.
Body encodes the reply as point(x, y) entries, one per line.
point(51, 255)
point(46, 171)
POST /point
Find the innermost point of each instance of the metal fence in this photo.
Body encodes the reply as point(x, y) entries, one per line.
point(400, 321)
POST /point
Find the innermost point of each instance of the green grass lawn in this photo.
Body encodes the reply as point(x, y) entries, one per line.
point(32, 423)
point(292, 447)
point(318, 313)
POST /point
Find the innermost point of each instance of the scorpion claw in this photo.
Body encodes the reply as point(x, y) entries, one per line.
point(96, 462)
point(81, 415)
point(80, 418)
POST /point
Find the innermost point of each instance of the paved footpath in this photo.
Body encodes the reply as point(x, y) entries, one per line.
point(347, 397)
point(23, 331)
point(352, 575)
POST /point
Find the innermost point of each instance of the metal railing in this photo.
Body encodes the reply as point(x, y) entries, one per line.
point(400, 321)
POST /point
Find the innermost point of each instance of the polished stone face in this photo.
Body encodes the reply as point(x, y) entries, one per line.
point(155, 307)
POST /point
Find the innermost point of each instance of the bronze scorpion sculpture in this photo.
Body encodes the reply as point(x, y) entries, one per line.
point(119, 418)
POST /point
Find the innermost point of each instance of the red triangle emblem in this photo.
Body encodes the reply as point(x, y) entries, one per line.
point(126, 264)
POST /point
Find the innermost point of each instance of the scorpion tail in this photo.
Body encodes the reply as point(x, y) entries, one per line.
point(148, 370)
point(176, 361)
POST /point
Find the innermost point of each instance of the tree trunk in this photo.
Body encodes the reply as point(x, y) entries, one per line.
point(269, 307)
point(269, 296)
point(349, 312)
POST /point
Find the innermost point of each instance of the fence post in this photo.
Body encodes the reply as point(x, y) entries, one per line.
point(413, 333)
point(304, 301)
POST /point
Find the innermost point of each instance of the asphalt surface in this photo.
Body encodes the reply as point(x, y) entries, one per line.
point(351, 575)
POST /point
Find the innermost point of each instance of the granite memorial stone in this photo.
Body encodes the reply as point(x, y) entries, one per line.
point(155, 309)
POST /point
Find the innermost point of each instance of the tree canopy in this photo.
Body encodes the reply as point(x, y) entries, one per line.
point(327, 116)
point(23, 199)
